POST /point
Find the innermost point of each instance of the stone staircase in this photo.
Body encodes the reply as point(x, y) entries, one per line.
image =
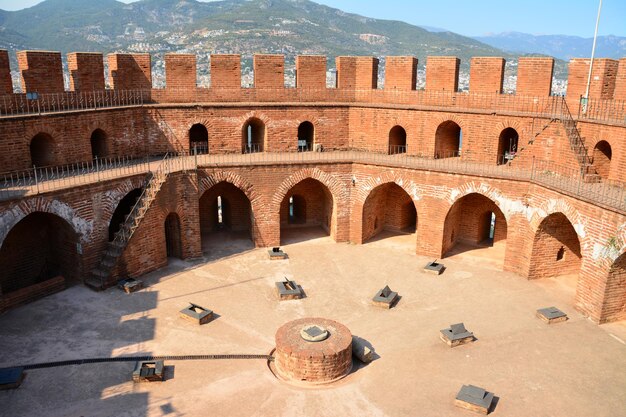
point(114, 250)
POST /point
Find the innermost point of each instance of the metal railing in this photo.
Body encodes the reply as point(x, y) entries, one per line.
point(567, 179)
point(396, 149)
point(252, 148)
point(38, 180)
point(539, 106)
point(613, 111)
point(33, 103)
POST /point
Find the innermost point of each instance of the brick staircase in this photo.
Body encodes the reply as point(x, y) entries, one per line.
point(99, 276)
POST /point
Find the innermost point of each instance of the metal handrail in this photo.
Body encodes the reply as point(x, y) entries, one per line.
point(34, 103)
point(602, 110)
point(563, 178)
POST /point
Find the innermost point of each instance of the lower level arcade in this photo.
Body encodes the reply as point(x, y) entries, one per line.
point(53, 241)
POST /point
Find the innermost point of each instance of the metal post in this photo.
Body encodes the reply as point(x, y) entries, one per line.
point(593, 51)
point(36, 182)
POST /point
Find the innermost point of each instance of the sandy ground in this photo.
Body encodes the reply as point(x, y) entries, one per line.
point(576, 368)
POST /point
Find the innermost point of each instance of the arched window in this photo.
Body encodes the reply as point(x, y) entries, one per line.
point(198, 139)
point(602, 155)
point(42, 150)
point(448, 140)
point(306, 136)
point(253, 136)
point(507, 145)
point(98, 144)
point(397, 140)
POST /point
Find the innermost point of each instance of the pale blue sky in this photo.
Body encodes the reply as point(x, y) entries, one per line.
point(478, 17)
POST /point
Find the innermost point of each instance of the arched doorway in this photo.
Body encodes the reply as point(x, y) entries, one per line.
point(556, 249)
point(602, 155)
point(397, 140)
point(122, 210)
point(475, 223)
point(40, 255)
point(253, 136)
point(507, 145)
point(42, 150)
point(615, 293)
point(199, 139)
point(98, 144)
point(306, 212)
point(389, 211)
point(173, 244)
point(306, 136)
point(225, 220)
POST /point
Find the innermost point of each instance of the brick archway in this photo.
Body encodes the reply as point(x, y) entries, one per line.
point(486, 190)
point(614, 305)
point(208, 180)
point(363, 189)
point(330, 181)
point(558, 206)
point(475, 219)
point(9, 218)
point(331, 204)
point(556, 249)
point(365, 186)
point(257, 208)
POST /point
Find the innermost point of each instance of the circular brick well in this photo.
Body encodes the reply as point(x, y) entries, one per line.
point(316, 362)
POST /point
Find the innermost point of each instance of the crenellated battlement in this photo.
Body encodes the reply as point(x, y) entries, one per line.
point(42, 72)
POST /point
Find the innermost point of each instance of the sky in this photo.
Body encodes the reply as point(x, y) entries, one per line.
point(478, 17)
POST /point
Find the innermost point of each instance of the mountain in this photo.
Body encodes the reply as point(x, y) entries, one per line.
point(559, 46)
point(289, 27)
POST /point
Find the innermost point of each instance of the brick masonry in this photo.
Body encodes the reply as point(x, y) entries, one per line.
point(313, 362)
point(620, 81)
point(130, 71)
point(6, 84)
point(225, 71)
point(41, 71)
point(86, 71)
point(311, 71)
point(269, 71)
point(534, 76)
point(360, 73)
point(180, 71)
point(400, 73)
point(486, 75)
point(442, 73)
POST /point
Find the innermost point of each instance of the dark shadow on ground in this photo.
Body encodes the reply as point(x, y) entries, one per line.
point(293, 235)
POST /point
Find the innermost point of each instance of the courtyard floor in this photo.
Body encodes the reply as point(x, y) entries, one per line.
point(575, 368)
